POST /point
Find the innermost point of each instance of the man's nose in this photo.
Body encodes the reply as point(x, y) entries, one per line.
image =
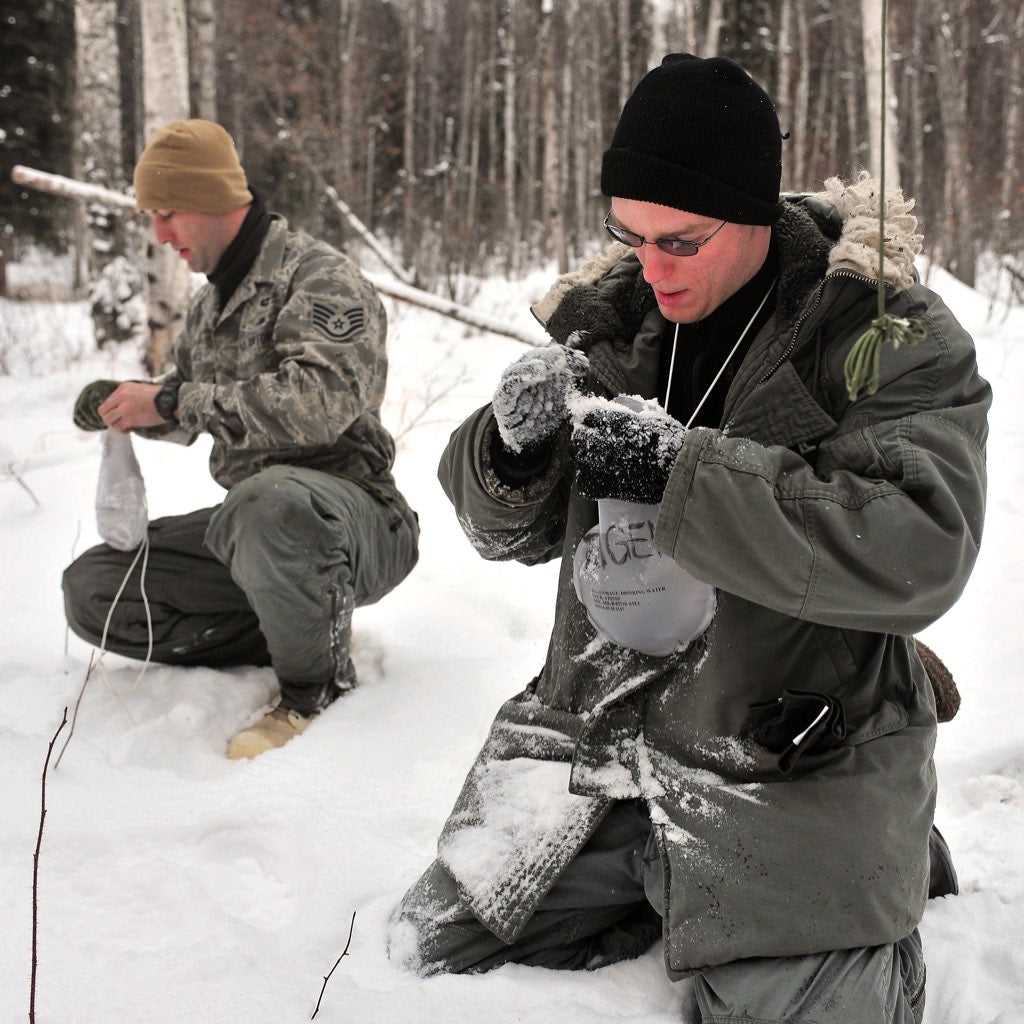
point(657, 265)
point(162, 232)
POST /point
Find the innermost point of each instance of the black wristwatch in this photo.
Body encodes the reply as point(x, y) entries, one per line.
point(166, 401)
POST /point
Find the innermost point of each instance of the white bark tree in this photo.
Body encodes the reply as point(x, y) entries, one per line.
point(202, 49)
point(552, 212)
point(165, 98)
point(507, 40)
point(871, 26)
point(106, 262)
point(1012, 133)
point(960, 255)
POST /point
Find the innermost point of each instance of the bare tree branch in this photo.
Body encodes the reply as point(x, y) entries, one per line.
point(78, 704)
point(344, 953)
point(35, 875)
point(431, 398)
point(13, 474)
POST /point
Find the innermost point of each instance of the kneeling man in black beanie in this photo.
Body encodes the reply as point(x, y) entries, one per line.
point(729, 744)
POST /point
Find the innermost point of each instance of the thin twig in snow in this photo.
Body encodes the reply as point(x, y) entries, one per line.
point(74, 714)
point(430, 399)
point(16, 477)
point(344, 953)
point(35, 874)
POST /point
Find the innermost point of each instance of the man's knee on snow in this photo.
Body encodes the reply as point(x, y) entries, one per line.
point(425, 933)
point(89, 584)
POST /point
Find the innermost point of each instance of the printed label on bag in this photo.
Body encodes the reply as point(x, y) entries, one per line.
point(633, 595)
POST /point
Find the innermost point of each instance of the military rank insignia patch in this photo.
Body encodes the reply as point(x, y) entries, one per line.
point(334, 325)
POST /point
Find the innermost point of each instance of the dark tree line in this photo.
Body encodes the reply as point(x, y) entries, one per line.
point(469, 132)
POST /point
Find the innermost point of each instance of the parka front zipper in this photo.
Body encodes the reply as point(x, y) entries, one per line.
point(808, 312)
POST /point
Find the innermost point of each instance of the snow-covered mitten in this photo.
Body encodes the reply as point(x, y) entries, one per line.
point(529, 404)
point(121, 514)
point(90, 398)
point(622, 452)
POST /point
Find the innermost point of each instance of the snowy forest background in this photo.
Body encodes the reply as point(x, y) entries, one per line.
point(467, 136)
point(468, 133)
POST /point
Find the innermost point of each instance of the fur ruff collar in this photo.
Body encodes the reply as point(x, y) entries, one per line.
point(818, 234)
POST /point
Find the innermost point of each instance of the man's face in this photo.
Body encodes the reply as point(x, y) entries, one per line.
point(198, 238)
point(689, 288)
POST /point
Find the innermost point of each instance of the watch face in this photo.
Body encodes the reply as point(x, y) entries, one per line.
point(166, 402)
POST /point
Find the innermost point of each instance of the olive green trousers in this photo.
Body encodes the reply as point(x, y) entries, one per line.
point(601, 910)
point(270, 576)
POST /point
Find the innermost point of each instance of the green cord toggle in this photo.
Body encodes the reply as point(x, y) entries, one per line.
point(861, 368)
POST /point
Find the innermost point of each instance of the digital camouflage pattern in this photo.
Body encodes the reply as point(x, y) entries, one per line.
point(292, 371)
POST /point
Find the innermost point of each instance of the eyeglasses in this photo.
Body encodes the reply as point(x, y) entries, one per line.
point(673, 246)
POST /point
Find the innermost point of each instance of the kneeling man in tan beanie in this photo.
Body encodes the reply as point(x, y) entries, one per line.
point(282, 361)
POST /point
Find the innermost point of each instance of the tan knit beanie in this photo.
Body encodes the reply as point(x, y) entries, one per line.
point(192, 166)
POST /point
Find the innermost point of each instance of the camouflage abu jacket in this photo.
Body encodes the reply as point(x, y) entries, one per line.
point(291, 371)
point(785, 756)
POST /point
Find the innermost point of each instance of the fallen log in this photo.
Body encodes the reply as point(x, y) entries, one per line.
point(70, 188)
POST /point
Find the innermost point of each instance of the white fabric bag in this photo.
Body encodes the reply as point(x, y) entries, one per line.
point(122, 517)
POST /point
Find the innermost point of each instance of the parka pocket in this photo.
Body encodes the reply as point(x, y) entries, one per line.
point(804, 724)
point(798, 723)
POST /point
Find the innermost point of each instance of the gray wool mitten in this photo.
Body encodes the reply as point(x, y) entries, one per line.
point(90, 398)
point(529, 404)
point(623, 453)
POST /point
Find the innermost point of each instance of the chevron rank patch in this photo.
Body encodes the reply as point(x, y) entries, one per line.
point(337, 326)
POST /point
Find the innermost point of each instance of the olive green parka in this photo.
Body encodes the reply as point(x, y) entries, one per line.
point(785, 755)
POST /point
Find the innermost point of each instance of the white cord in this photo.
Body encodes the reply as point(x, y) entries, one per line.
point(739, 341)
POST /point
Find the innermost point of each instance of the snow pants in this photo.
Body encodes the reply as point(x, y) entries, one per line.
point(270, 576)
point(601, 910)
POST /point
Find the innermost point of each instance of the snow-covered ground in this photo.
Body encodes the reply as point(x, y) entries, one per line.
point(176, 885)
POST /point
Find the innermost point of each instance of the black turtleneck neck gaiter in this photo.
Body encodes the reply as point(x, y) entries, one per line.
point(703, 347)
point(240, 255)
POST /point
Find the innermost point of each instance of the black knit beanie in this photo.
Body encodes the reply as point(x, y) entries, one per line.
point(699, 135)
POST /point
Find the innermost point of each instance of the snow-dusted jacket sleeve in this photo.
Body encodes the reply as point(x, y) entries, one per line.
point(880, 533)
point(300, 374)
point(502, 522)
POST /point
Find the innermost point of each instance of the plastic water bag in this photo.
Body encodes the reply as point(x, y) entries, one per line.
point(633, 595)
point(121, 514)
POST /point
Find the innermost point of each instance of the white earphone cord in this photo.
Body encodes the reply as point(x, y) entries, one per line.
point(732, 352)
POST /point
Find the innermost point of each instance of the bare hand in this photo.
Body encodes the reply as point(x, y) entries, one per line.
point(131, 406)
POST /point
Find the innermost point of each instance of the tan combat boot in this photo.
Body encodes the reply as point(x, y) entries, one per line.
point(273, 730)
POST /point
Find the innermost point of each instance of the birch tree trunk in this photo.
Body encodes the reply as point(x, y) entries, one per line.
point(108, 265)
point(879, 121)
point(914, 117)
point(1011, 136)
point(165, 98)
point(349, 87)
point(802, 98)
point(511, 142)
point(467, 156)
point(409, 133)
point(688, 27)
point(202, 50)
point(713, 31)
point(855, 153)
point(552, 215)
point(625, 78)
point(784, 70)
point(959, 252)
